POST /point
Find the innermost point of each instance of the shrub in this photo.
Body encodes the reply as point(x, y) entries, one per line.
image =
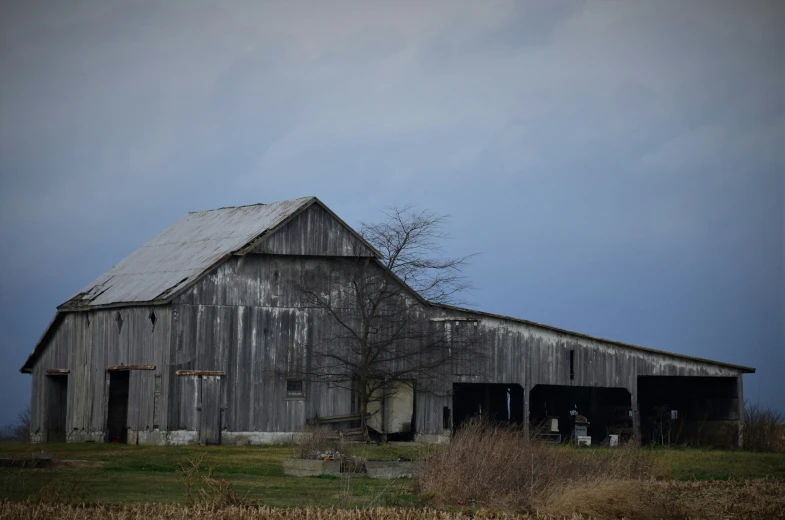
point(501, 467)
point(764, 428)
point(18, 430)
point(315, 441)
point(204, 490)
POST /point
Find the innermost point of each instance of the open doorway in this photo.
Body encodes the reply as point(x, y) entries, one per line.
point(590, 410)
point(117, 414)
point(56, 407)
point(697, 410)
point(501, 403)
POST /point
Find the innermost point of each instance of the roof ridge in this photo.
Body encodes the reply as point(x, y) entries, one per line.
point(250, 205)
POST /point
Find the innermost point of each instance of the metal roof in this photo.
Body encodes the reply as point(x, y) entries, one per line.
point(181, 253)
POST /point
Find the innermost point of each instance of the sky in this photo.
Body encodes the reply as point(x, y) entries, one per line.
point(618, 166)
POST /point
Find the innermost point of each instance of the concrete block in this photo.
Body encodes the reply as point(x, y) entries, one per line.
point(311, 467)
point(389, 469)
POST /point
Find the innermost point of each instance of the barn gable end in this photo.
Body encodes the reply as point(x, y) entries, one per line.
point(315, 231)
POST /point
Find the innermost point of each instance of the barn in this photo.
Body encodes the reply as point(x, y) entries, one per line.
point(197, 337)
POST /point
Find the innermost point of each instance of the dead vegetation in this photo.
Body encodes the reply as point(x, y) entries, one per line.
point(764, 429)
point(18, 430)
point(753, 500)
point(204, 490)
point(314, 441)
point(502, 468)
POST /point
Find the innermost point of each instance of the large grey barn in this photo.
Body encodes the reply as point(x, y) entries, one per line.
point(197, 337)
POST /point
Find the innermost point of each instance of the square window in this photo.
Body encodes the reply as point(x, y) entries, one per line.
point(294, 388)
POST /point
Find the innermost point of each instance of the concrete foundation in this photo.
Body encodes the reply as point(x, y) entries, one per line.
point(311, 468)
point(389, 469)
point(426, 438)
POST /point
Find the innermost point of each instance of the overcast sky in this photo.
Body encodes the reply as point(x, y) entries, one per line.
point(620, 166)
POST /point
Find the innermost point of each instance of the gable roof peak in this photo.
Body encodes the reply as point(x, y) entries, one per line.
point(255, 204)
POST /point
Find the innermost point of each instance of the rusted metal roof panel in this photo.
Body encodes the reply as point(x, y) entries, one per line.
point(181, 253)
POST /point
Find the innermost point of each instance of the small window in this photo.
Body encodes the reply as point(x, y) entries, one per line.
point(674, 414)
point(572, 364)
point(446, 423)
point(294, 388)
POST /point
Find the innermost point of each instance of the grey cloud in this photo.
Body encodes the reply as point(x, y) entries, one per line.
point(618, 164)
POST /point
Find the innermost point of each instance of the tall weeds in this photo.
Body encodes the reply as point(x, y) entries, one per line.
point(204, 490)
point(764, 428)
point(502, 468)
point(316, 440)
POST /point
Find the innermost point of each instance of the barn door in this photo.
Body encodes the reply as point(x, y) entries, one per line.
point(141, 405)
point(117, 406)
point(210, 410)
point(56, 409)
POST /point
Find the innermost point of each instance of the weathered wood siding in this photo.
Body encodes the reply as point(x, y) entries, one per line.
point(87, 343)
point(528, 355)
point(314, 232)
point(243, 318)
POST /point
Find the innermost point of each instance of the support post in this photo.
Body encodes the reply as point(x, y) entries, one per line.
point(740, 401)
point(636, 413)
point(526, 419)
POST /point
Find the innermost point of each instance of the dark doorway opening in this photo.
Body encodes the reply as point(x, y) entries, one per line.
point(117, 414)
point(688, 410)
point(210, 410)
point(56, 407)
point(608, 410)
point(501, 403)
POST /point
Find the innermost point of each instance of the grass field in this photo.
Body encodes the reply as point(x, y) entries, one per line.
point(120, 474)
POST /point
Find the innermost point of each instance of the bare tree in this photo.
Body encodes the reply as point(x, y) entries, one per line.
point(380, 310)
point(19, 430)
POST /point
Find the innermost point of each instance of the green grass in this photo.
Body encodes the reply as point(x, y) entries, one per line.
point(134, 474)
point(708, 464)
point(139, 474)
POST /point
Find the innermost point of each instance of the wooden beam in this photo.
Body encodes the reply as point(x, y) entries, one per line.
point(117, 368)
point(335, 418)
point(57, 371)
point(218, 373)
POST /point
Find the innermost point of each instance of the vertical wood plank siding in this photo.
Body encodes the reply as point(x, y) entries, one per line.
point(87, 350)
point(313, 233)
point(244, 319)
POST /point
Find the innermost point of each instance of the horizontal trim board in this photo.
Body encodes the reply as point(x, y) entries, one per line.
point(57, 371)
point(218, 373)
point(118, 368)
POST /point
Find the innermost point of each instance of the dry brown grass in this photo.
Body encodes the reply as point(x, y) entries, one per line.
point(502, 468)
point(173, 512)
point(317, 439)
point(735, 500)
point(602, 499)
point(205, 490)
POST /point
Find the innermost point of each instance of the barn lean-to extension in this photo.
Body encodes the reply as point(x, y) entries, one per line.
point(197, 336)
